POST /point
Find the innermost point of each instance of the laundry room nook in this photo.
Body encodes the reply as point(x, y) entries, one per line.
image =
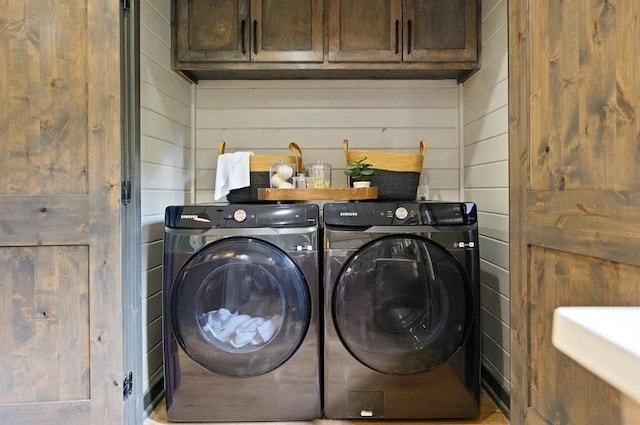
point(410, 318)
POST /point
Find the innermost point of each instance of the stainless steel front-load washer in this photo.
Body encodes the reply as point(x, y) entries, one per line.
point(241, 313)
point(401, 310)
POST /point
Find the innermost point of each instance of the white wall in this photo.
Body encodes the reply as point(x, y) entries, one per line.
point(486, 182)
point(264, 116)
point(165, 121)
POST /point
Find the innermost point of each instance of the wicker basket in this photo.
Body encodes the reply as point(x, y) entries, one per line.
point(259, 173)
point(397, 174)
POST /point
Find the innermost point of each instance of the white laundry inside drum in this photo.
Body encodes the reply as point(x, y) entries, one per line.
point(239, 330)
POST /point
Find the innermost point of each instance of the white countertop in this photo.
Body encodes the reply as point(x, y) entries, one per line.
point(604, 340)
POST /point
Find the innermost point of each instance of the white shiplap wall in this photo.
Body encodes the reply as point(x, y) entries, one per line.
point(264, 116)
point(486, 182)
point(165, 121)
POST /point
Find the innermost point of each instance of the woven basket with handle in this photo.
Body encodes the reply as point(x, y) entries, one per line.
point(397, 173)
point(259, 173)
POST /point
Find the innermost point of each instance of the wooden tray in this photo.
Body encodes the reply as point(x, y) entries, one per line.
point(332, 194)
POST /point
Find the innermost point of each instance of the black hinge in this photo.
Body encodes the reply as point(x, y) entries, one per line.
point(126, 192)
point(125, 5)
point(127, 386)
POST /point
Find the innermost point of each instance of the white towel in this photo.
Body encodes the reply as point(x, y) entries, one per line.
point(239, 330)
point(232, 172)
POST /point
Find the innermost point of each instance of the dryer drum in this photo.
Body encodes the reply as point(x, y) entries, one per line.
point(409, 312)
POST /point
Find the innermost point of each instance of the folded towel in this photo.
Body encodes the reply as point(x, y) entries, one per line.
point(232, 172)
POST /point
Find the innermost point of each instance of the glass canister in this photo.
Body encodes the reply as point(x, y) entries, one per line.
point(281, 174)
point(319, 175)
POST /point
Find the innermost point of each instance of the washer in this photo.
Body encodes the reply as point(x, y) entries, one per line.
point(401, 310)
point(241, 313)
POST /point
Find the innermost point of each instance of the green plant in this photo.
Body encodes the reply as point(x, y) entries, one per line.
point(359, 170)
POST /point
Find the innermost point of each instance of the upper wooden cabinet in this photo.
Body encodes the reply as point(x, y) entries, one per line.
point(247, 31)
point(279, 39)
point(365, 30)
point(402, 30)
point(440, 31)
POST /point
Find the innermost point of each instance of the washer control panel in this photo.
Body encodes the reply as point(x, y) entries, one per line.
point(399, 213)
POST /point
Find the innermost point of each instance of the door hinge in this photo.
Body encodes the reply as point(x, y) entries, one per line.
point(125, 194)
point(125, 5)
point(127, 386)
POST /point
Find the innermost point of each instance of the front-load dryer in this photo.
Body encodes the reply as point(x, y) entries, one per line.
point(241, 313)
point(401, 310)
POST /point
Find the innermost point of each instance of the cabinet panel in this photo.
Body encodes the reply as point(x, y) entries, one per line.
point(365, 30)
point(440, 31)
point(211, 31)
point(287, 30)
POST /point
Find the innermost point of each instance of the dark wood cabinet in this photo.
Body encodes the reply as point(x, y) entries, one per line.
point(440, 31)
point(281, 39)
point(365, 30)
point(247, 31)
point(402, 30)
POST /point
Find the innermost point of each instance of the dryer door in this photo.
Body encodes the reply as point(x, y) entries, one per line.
point(402, 304)
point(240, 307)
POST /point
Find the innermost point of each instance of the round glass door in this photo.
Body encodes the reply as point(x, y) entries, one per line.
point(240, 307)
point(402, 305)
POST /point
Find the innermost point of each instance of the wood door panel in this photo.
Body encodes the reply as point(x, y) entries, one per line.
point(440, 31)
point(42, 101)
point(287, 31)
point(49, 220)
point(45, 351)
point(574, 97)
point(586, 223)
point(577, 149)
point(563, 279)
point(365, 30)
point(60, 235)
point(210, 30)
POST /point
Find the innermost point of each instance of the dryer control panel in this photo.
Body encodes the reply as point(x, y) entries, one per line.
point(241, 216)
point(355, 214)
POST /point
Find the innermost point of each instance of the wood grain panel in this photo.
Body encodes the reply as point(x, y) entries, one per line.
point(584, 93)
point(40, 104)
point(48, 220)
point(561, 279)
point(575, 159)
point(60, 247)
point(46, 301)
point(586, 223)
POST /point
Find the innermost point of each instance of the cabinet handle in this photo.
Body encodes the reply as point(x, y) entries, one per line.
point(255, 36)
point(242, 32)
point(409, 37)
point(397, 36)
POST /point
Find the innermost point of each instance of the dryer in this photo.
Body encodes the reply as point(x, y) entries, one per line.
point(401, 310)
point(241, 313)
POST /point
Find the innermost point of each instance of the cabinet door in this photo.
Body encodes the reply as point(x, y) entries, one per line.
point(287, 31)
point(440, 31)
point(211, 31)
point(365, 30)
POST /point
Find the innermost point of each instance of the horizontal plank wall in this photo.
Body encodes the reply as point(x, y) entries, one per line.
point(486, 182)
point(264, 116)
point(165, 121)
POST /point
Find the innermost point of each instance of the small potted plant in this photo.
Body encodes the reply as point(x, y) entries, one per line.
point(360, 172)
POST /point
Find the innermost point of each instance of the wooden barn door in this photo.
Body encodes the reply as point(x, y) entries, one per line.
point(575, 205)
point(60, 249)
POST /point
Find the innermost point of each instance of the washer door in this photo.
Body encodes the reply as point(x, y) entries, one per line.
point(240, 307)
point(402, 305)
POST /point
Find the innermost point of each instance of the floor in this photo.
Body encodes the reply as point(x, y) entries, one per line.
point(489, 415)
